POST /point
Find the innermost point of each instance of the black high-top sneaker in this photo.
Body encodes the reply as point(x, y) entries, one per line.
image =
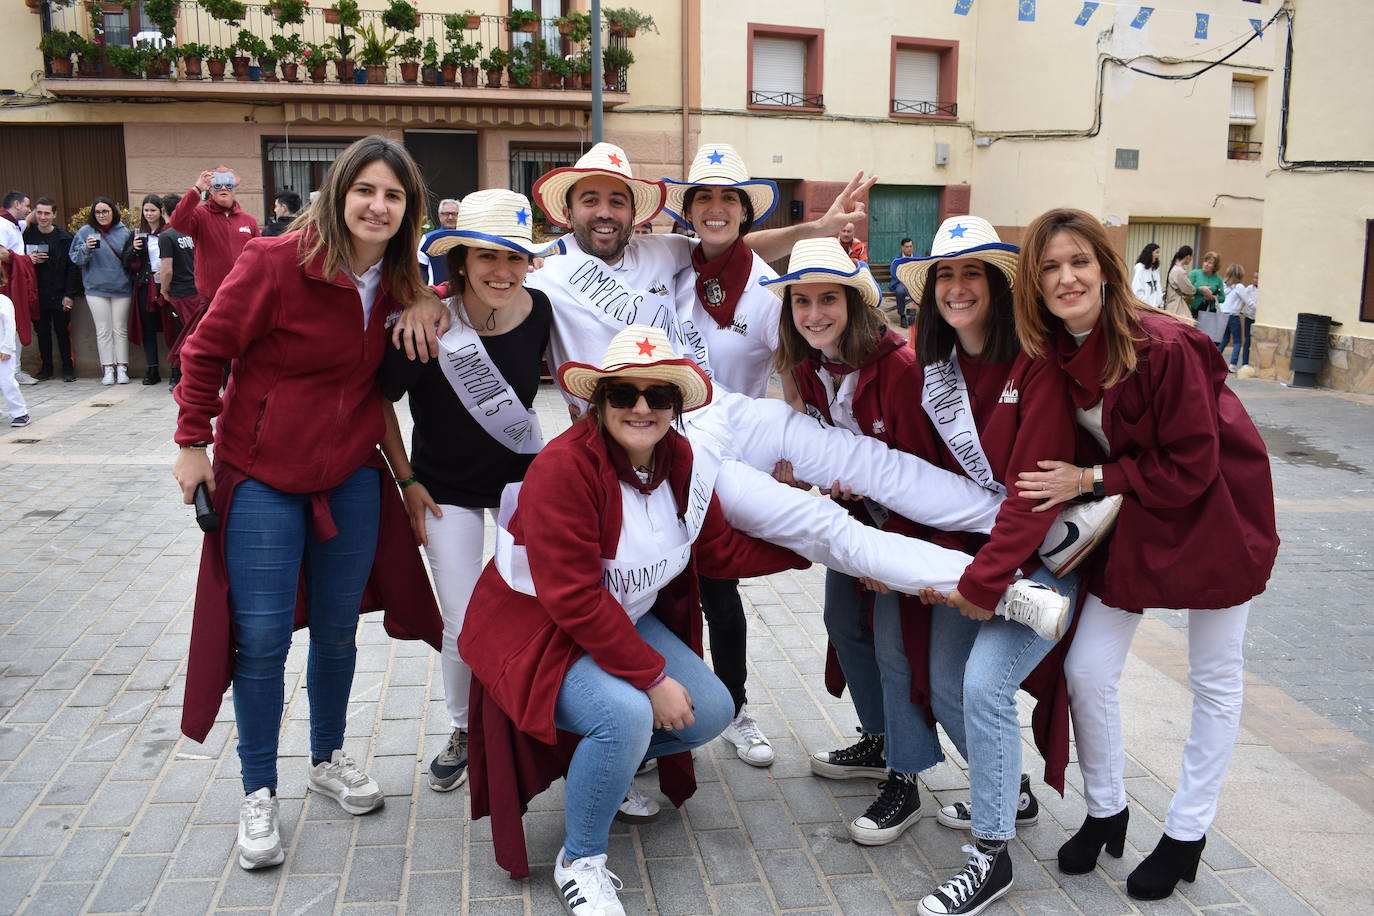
point(985, 877)
point(896, 808)
point(958, 816)
point(864, 759)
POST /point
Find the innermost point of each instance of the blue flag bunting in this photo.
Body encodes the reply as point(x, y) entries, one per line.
point(1089, 7)
point(961, 7)
point(1257, 26)
point(1025, 10)
point(1142, 17)
point(1200, 30)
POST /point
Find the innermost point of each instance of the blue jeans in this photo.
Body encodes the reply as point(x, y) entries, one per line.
point(616, 722)
point(267, 541)
point(1233, 336)
point(878, 674)
point(976, 668)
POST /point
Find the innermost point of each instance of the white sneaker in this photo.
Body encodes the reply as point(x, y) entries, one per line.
point(750, 744)
point(637, 808)
point(259, 834)
point(1079, 528)
point(587, 887)
point(1038, 606)
point(121, 375)
point(341, 780)
point(24, 378)
point(108, 377)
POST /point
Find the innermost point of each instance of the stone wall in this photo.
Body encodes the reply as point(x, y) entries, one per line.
point(1349, 367)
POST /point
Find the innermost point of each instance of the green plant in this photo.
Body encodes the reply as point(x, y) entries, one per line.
point(517, 20)
point(628, 19)
point(314, 54)
point(289, 49)
point(581, 64)
point(163, 14)
point(468, 53)
point(86, 49)
point(520, 72)
point(349, 14)
point(250, 45)
point(230, 11)
point(130, 60)
point(578, 25)
point(218, 52)
point(560, 67)
point(58, 44)
point(410, 49)
point(192, 49)
point(401, 16)
point(431, 55)
point(287, 12)
point(376, 46)
point(497, 59)
point(615, 59)
point(536, 53)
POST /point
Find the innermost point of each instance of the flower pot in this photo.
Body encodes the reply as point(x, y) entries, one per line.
point(331, 16)
point(35, 6)
point(585, 79)
point(450, 74)
point(540, 79)
point(191, 68)
point(87, 69)
point(565, 28)
point(474, 22)
point(617, 30)
point(343, 70)
point(216, 69)
point(429, 76)
point(61, 66)
point(410, 71)
point(289, 72)
point(376, 74)
point(493, 79)
point(527, 27)
point(254, 73)
point(319, 72)
point(470, 77)
point(269, 71)
point(159, 68)
point(359, 75)
point(239, 63)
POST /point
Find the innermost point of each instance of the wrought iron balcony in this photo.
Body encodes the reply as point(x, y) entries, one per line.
point(786, 99)
point(934, 109)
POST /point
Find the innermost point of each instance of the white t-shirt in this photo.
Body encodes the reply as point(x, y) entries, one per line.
point(11, 236)
point(1238, 299)
point(650, 530)
point(1146, 286)
point(741, 355)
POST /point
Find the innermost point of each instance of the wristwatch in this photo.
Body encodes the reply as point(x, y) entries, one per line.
point(205, 195)
point(1099, 487)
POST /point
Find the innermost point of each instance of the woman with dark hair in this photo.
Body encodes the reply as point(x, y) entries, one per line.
point(584, 632)
point(149, 311)
point(96, 250)
point(1145, 277)
point(1178, 289)
point(1159, 426)
point(305, 503)
point(474, 430)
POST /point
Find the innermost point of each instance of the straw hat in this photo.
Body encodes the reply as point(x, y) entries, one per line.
point(498, 219)
point(639, 351)
point(958, 237)
point(718, 165)
point(824, 261)
point(551, 190)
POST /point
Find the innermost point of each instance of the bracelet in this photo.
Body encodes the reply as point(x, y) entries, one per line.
point(663, 676)
point(1080, 481)
point(407, 482)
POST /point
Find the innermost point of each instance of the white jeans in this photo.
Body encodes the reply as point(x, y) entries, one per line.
point(1216, 642)
point(751, 435)
point(9, 388)
point(111, 316)
point(455, 558)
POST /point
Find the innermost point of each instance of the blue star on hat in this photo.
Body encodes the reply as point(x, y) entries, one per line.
point(958, 231)
point(716, 157)
point(522, 216)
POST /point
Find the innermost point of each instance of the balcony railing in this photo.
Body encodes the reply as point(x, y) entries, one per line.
point(1248, 150)
point(786, 99)
point(195, 26)
point(906, 107)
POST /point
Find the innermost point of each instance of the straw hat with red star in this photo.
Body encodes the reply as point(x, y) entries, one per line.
point(639, 351)
point(551, 190)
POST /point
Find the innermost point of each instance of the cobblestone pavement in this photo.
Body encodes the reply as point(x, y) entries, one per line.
point(105, 807)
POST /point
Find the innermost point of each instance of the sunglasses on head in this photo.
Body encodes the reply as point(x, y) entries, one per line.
point(624, 395)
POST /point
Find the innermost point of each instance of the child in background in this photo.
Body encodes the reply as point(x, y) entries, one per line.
point(9, 362)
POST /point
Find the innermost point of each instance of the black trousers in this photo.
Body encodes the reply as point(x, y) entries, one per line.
point(727, 630)
point(151, 321)
point(49, 324)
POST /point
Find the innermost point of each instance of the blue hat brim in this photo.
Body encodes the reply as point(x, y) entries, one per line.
point(455, 237)
point(753, 182)
point(819, 275)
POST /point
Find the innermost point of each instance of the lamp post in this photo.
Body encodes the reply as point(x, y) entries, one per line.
point(598, 77)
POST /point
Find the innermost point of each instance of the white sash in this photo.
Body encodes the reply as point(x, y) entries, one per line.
point(485, 392)
point(944, 396)
point(624, 579)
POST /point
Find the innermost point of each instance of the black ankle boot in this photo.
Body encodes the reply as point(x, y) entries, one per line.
point(1156, 877)
point(1079, 855)
point(152, 378)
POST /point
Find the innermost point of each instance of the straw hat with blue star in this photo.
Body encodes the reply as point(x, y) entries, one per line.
point(498, 219)
point(959, 237)
point(718, 165)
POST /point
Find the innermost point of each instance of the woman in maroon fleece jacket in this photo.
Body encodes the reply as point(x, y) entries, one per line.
point(1196, 531)
point(297, 479)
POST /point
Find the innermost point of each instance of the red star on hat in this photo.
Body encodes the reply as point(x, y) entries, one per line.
point(645, 348)
point(615, 160)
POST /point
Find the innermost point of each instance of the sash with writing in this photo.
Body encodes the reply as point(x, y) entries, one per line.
point(485, 392)
point(624, 579)
point(944, 396)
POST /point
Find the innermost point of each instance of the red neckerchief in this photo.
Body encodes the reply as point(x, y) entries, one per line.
point(8, 215)
point(1085, 364)
point(663, 463)
point(722, 280)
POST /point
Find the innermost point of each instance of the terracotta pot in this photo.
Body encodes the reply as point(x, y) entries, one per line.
point(565, 28)
point(493, 79)
point(450, 73)
point(319, 73)
point(586, 80)
point(376, 75)
point(159, 68)
point(429, 76)
point(527, 27)
point(470, 77)
point(87, 69)
point(343, 70)
point(410, 71)
point(61, 66)
point(290, 72)
point(35, 6)
point(474, 22)
point(191, 68)
point(331, 16)
point(539, 79)
point(216, 69)
point(617, 30)
point(239, 64)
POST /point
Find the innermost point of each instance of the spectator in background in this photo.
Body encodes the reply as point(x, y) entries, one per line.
point(1206, 277)
point(1237, 299)
point(898, 289)
point(142, 260)
point(857, 249)
point(1145, 277)
point(59, 283)
point(177, 282)
point(220, 228)
point(9, 357)
point(284, 211)
point(23, 296)
point(96, 250)
point(644, 229)
point(435, 270)
point(1179, 290)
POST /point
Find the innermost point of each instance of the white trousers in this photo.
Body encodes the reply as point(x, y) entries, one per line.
point(1216, 643)
point(9, 388)
point(111, 316)
point(751, 435)
point(455, 558)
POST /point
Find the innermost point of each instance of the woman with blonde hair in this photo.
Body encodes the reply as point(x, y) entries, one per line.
point(1196, 531)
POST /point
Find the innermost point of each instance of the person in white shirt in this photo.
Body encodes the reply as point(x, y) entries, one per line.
point(9, 361)
point(1145, 277)
point(1239, 309)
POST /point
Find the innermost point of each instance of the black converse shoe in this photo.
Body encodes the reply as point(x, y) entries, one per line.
point(985, 877)
point(958, 816)
point(864, 759)
point(896, 808)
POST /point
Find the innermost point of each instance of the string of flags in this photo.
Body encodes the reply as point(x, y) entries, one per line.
point(1026, 9)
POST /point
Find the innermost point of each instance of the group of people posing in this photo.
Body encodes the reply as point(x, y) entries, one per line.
point(1038, 390)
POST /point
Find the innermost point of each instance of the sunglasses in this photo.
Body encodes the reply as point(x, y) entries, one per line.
point(623, 395)
point(223, 184)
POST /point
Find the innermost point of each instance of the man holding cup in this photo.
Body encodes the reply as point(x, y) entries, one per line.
point(59, 283)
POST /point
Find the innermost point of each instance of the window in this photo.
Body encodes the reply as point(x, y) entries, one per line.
point(299, 166)
point(925, 78)
point(530, 161)
point(785, 68)
point(1240, 143)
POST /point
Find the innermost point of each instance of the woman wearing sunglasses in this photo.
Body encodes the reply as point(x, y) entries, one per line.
point(586, 624)
point(303, 496)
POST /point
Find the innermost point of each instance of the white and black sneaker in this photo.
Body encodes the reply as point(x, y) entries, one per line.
point(449, 768)
point(958, 816)
point(340, 779)
point(1079, 528)
point(260, 831)
point(587, 887)
point(864, 759)
point(637, 808)
point(896, 808)
point(985, 877)
point(1038, 606)
point(750, 744)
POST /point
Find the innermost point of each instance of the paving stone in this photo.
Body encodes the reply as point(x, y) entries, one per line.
point(433, 893)
point(769, 825)
point(709, 809)
point(159, 829)
point(794, 882)
point(52, 899)
point(129, 885)
point(42, 833)
point(1262, 891)
point(387, 827)
point(835, 852)
point(257, 888)
point(309, 895)
point(205, 852)
point(678, 886)
point(322, 847)
point(861, 896)
point(16, 877)
point(902, 870)
point(808, 801)
point(15, 799)
point(1092, 894)
point(376, 874)
point(87, 854)
point(116, 804)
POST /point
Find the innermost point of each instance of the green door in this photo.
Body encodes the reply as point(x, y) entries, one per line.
point(897, 211)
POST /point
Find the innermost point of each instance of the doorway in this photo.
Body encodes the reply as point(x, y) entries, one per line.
point(448, 161)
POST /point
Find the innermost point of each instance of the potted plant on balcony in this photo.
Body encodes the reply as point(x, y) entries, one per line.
point(519, 70)
point(289, 49)
point(561, 73)
point(228, 11)
point(343, 56)
point(401, 16)
point(536, 54)
point(316, 58)
point(468, 55)
point(495, 62)
point(429, 63)
point(192, 55)
point(409, 52)
point(128, 63)
point(287, 12)
point(343, 12)
point(88, 55)
point(163, 15)
point(582, 70)
point(614, 62)
point(242, 47)
point(215, 59)
point(627, 21)
point(576, 26)
point(375, 51)
point(58, 47)
point(521, 20)
point(472, 19)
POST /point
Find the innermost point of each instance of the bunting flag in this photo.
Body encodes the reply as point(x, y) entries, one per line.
point(1142, 17)
point(1025, 11)
point(1089, 7)
point(1258, 27)
point(1200, 30)
point(961, 7)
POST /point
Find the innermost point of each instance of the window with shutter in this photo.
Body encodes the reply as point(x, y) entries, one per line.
point(784, 67)
point(925, 76)
point(1243, 119)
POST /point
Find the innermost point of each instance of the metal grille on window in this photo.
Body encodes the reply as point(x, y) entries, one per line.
point(916, 84)
point(300, 167)
point(1244, 117)
point(780, 74)
point(528, 163)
